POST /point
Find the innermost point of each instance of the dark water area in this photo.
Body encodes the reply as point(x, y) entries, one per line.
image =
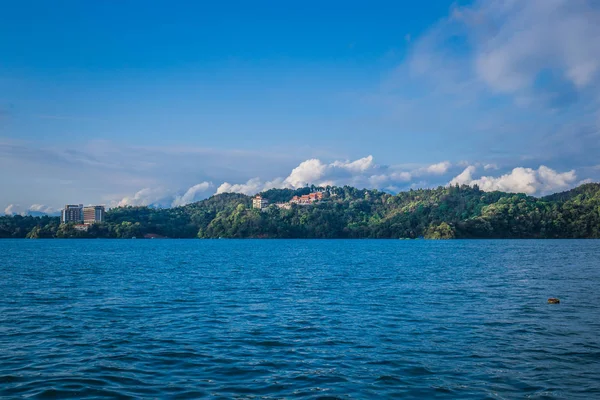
point(271, 319)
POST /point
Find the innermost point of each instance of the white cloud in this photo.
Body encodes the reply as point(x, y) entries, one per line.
point(360, 173)
point(538, 51)
point(34, 209)
point(161, 197)
point(439, 168)
point(42, 208)
point(519, 78)
point(519, 180)
point(193, 194)
point(465, 177)
point(14, 209)
point(105, 172)
point(529, 37)
point(307, 172)
point(357, 172)
point(147, 197)
point(251, 187)
point(360, 165)
point(490, 166)
point(552, 180)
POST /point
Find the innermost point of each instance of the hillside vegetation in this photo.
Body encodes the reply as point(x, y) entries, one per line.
point(347, 212)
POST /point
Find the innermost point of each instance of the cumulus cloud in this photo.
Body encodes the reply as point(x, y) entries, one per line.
point(465, 177)
point(34, 209)
point(161, 197)
point(147, 197)
point(552, 180)
point(42, 208)
point(252, 186)
point(519, 180)
point(309, 171)
point(110, 170)
point(363, 172)
point(193, 194)
point(438, 169)
point(14, 209)
point(360, 165)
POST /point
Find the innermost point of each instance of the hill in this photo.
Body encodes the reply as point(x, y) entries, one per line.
point(347, 212)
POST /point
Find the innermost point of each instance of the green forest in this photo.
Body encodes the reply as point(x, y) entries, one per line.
point(346, 212)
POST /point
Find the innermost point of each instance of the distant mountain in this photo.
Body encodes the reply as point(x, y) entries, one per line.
point(347, 212)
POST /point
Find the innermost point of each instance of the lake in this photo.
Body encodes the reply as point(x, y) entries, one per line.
point(269, 319)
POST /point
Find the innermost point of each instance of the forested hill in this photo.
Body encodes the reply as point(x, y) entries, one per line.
point(346, 212)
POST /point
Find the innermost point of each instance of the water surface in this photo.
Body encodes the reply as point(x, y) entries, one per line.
point(299, 319)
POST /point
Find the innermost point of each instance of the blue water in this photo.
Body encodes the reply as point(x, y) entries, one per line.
point(273, 319)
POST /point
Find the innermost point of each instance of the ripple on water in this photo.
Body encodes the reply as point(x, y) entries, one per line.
point(299, 319)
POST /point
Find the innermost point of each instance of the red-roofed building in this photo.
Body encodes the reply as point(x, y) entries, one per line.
point(307, 198)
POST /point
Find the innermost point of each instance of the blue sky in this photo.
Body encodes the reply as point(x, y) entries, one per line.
point(155, 103)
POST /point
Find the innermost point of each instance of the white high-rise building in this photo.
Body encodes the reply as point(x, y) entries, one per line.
point(259, 202)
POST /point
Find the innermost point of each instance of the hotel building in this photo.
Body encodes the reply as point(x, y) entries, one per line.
point(78, 214)
point(93, 214)
point(72, 213)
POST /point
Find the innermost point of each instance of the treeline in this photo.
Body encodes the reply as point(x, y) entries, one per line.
point(346, 212)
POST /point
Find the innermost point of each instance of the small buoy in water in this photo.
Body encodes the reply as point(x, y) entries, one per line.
point(553, 300)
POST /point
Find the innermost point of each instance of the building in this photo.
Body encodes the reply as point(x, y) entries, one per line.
point(93, 214)
point(78, 214)
point(259, 202)
point(72, 213)
point(81, 227)
point(317, 196)
point(307, 198)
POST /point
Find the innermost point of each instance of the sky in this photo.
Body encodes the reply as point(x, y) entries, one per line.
point(162, 103)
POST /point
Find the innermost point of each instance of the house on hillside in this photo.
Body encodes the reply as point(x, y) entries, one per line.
point(259, 202)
